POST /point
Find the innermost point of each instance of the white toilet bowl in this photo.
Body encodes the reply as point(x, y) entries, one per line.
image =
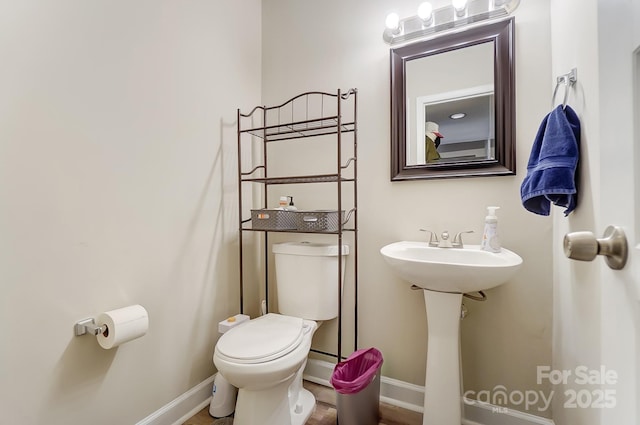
point(264, 358)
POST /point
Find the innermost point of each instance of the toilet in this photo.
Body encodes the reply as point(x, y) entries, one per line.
point(265, 357)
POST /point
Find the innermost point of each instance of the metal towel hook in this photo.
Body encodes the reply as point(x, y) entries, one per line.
point(568, 80)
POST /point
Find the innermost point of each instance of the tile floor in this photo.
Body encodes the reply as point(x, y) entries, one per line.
point(325, 413)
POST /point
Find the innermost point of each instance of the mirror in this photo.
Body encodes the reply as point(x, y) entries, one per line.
point(453, 105)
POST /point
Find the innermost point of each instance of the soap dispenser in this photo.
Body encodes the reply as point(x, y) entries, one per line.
point(291, 207)
point(490, 241)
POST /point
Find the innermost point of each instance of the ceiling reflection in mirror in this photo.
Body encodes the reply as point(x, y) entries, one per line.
point(458, 105)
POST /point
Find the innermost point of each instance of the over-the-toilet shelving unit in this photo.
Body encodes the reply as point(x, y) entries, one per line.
point(330, 118)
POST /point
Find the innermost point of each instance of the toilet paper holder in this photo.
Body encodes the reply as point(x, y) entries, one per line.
point(89, 326)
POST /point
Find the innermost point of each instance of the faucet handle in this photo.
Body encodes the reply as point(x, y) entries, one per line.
point(457, 239)
point(433, 238)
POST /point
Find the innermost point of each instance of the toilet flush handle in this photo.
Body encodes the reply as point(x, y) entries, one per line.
point(584, 246)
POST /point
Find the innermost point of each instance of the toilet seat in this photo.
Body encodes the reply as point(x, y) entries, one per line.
point(263, 339)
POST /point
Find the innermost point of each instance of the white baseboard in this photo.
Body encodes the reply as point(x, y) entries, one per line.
point(176, 412)
point(480, 413)
point(392, 391)
point(411, 397)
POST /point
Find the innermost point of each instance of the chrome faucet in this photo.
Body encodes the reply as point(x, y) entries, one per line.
point(445, 241)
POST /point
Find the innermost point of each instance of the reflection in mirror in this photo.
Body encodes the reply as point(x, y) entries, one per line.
point(452, 105)
point(459, 105)
point(467, 120)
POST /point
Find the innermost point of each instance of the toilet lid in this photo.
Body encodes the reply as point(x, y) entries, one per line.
point(263, 339)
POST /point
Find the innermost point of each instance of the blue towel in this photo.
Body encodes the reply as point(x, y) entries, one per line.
point(552, 165)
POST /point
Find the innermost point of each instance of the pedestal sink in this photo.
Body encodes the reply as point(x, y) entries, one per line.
point(445, 274)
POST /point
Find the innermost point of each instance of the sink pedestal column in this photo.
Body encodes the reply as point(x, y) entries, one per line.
point(443, 395)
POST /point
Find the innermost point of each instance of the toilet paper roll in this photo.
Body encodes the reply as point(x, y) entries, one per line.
point(122, 325)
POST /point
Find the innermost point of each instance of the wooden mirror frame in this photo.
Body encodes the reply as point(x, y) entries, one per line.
point(502, 33)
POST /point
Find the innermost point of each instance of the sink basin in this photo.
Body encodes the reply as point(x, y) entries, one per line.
point(458, 270)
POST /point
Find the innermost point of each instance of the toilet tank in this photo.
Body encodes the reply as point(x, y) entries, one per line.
point(307, 279)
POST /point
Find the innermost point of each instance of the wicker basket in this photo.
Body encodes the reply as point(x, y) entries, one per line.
point(265, 219)
point(318, 220)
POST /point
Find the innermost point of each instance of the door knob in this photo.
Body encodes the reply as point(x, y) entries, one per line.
point(584, 246)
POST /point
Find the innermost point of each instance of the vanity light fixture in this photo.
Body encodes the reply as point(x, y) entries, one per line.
point(430, 21)
point(457, 115)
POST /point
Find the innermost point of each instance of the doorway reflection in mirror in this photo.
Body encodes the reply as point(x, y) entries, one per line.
point(467, 119)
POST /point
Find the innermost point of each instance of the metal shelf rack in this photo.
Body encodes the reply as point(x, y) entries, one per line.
point(311, 114)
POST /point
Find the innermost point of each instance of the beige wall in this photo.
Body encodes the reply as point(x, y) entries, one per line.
point(118, 186)
point(326, 45)
point(577, 292)
point(577, 289)
point(117, 163)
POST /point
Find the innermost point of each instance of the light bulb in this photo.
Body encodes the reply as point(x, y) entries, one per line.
point(393, 21)
point(425, 11)
point(459, 5)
